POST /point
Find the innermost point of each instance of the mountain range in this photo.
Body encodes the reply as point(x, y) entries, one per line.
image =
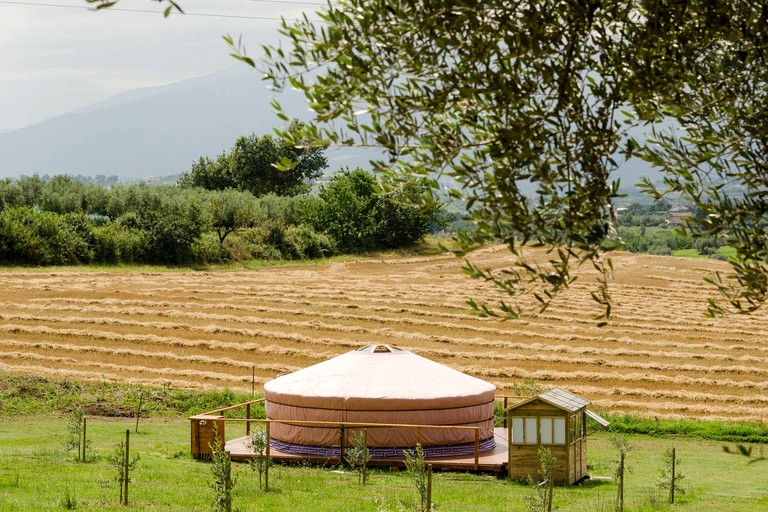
point(154, 131)
point(160, 131)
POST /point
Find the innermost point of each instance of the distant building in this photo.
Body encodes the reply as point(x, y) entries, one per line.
point(678, 215)
point(622, 208)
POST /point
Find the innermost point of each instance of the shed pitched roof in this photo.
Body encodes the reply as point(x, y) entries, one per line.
point(562, 399)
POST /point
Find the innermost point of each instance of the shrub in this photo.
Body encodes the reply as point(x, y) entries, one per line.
point(173, 232)
point(416, 467)
point(257, 446)
point(286, 210)
point(706, 245)
point(221, 467)
point(257, 245)
point(360, 217)
point(541, 498)
point(659, 250)
point(208, 249)
point(275, 240)
point(75, 432)
point(122, 471)
point(302, 242)
point(357, 455)
point(116, 243)
point(28, 236)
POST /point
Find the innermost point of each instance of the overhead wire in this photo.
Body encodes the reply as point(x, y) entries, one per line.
point(208, 15)
point(298, 2)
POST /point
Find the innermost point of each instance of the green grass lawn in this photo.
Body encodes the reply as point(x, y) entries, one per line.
point(693, 253)
point(36, 473)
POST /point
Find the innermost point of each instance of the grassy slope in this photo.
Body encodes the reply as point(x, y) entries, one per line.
point(693, 253)
point(30, 395)
point(36, 473)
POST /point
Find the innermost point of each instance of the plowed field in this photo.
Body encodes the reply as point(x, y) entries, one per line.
point(659, 356)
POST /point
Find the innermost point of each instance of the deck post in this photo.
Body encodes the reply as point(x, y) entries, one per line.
point(477, 448)
point(341, 445)
point(505, 413)
point(248, 416)
point(418, 436)
point(509, 449)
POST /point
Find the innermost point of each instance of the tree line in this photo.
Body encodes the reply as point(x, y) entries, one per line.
point(250, 211)
point(643, 228)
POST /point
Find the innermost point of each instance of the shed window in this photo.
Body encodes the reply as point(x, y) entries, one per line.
point(552, 430)
point(559, 430)
point(530, 431)
point(524, 430)
point(573, 431)
point(577, 426)
point(546, 430)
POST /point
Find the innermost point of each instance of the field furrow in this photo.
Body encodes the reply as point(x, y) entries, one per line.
point(657, 356)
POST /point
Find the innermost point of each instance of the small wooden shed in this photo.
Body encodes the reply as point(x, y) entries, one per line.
point(203, 434)
point(557, 420)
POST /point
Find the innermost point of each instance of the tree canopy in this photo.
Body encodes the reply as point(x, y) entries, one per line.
point(505, 96)
point(359, 217)
point(250, 166)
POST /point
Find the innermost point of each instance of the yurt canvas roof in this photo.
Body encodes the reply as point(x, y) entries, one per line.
point(378, 377)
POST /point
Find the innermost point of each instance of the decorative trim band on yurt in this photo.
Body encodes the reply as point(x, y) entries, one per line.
point(451, 450)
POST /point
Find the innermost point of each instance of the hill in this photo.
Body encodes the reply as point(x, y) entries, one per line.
point(156, 131)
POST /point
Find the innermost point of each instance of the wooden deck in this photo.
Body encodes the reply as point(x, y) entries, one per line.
point(494, 461)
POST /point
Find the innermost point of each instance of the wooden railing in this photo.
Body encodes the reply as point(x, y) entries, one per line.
point(217, 412)
point(202, 428)
point(202, 431)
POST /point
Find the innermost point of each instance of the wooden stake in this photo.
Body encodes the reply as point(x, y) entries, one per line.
point(365, 458)
point(125, 466)
point(248, 416)
point(138, 412)
point(672, 487)
point(266, 466)
point(341, 445)
point(228, 481)
point(551, 487)
point(253, 381)
point(621, 484)
point(429, 487)
point(84, 437)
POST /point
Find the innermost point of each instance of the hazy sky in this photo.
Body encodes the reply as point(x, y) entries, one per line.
point(57, 55)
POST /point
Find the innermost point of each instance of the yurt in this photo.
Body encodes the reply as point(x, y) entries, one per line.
point(380, 385)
